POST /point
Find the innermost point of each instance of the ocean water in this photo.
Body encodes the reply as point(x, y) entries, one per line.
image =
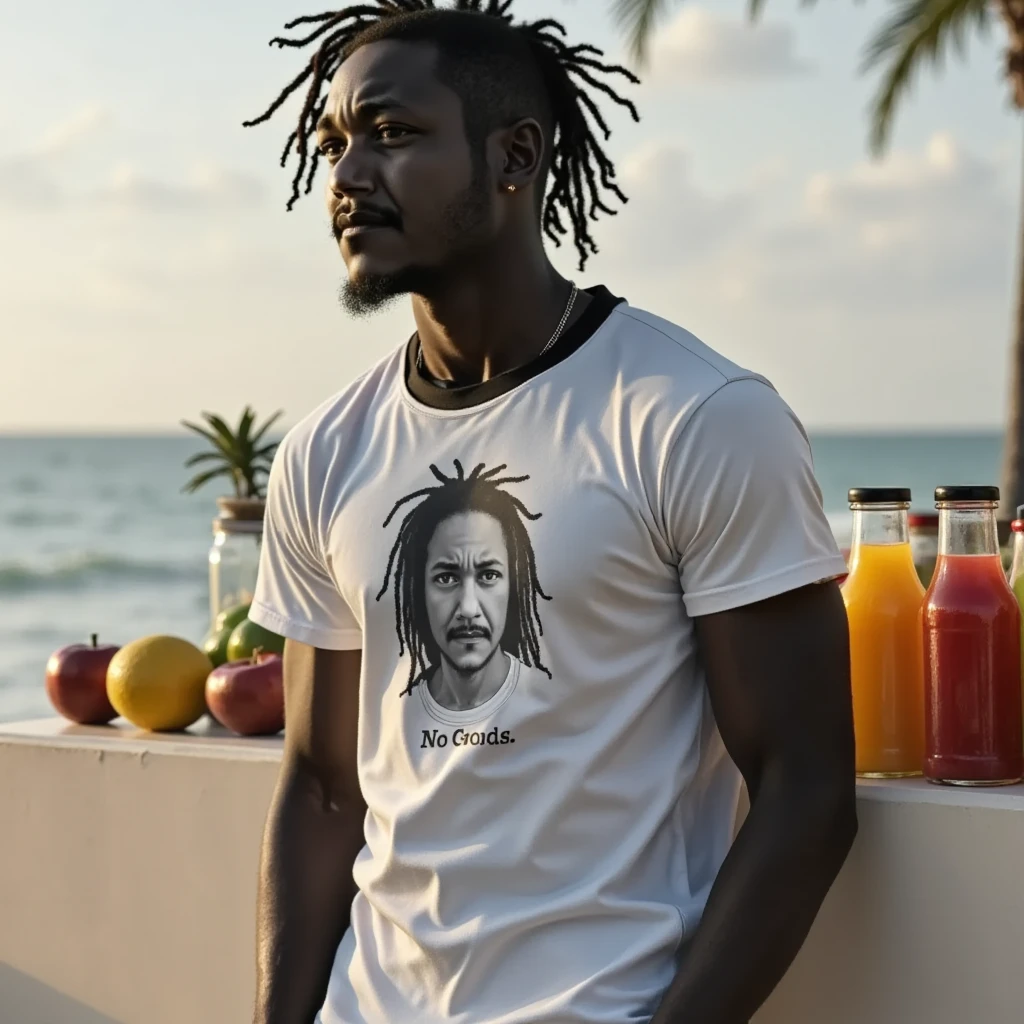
point(96, 535)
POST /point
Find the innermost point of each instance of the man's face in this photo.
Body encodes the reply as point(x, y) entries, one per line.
point(403, 194)
point(467, 588)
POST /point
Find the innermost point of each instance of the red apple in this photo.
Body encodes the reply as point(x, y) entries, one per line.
point(248, 696)
point(76, 682)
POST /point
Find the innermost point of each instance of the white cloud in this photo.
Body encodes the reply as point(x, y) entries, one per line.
point(878, 282)
point(669, 219)
point(939, 214)
point(85, 123)
point(28, 182)
point(205, 187)
point(699, 46)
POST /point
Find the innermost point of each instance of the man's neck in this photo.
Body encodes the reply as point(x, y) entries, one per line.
point(491, 320)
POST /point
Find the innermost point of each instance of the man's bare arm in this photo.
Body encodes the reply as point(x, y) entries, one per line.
point(778, 674)
point(313, 834)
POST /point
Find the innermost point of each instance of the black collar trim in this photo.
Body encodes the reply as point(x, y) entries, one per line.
point(424, 390)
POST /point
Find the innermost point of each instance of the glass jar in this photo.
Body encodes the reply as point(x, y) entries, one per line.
point(924, 543)
point(974, 735)
point(234, 562)
point(883, 597)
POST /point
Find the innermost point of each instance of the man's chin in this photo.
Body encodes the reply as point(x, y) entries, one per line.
point(467, 664)
point(369, 290)
point(364, 294)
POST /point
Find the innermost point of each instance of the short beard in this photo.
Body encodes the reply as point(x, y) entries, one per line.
point(466, 673)
point(367, 295)
point(462, 223)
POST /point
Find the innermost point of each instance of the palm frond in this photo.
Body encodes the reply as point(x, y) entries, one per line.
point(222, 429)
point(194, 460)
point(638, 18)
point(245, 425)
point(257, 437)
point(213, 438)
point(267, 451)
point(197, 481)
point(916, 33)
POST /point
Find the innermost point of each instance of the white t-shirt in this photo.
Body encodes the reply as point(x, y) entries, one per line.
point(521, 563)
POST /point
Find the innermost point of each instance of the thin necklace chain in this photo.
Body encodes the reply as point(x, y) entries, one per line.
point(554, 337)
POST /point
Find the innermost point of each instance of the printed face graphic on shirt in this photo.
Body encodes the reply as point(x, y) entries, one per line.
point(466, 588)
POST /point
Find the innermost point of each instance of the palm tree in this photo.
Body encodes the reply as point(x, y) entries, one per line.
point(916, 33)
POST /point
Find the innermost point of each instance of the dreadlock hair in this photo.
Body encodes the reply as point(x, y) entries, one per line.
point(502, 70)
point(479, 492)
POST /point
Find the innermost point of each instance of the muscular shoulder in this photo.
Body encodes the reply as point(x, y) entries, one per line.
point(331, 434)
point(657, 344)
point(664, 374)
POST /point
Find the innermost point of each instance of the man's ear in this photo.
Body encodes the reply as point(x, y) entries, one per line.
point(519, 153)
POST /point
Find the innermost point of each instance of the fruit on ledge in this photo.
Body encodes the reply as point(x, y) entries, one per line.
point(248, 696)
point(76, 682)
point(158, 683)
point(247, 636)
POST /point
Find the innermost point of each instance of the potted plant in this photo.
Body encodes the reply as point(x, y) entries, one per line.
point(240, 454)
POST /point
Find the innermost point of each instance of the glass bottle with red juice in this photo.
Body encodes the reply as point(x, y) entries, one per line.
point(974, 734)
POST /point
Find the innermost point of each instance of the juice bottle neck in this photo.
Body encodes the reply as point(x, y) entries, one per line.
point(879, 524)
point(968, 528)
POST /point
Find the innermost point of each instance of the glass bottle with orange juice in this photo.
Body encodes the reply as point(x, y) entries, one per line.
point(884, 597)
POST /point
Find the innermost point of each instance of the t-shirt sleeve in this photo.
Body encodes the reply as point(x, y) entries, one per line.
point(741, 503)
point(296, 596)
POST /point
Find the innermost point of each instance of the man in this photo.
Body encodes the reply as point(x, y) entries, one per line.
point(573, 860)
point(463, 558)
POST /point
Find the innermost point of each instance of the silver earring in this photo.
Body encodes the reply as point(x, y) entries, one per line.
point(511, 188)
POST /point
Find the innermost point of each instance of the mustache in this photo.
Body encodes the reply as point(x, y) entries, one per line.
point(364, 214)
point(469, 633)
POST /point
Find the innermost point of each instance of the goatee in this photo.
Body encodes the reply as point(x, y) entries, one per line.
point(367, 295)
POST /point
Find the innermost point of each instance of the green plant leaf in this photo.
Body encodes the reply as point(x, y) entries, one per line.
point(258, 436)
point(197, 481)
point(918, 32)
point(216, 441)
point(245, 425)
point(222, 429)
point(194, 460)
point(267, 451)
point(638, 18)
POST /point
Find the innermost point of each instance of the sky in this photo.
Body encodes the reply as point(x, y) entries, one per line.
point(149, 271)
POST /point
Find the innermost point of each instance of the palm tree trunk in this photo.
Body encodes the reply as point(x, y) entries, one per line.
point(1012, 484)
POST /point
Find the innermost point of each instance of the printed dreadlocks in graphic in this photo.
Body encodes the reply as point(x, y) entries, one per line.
point(478, 492)
point(501, 69)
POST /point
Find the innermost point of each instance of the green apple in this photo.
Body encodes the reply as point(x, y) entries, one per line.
point(215, 644)
point(249, 635)
point(231, 617)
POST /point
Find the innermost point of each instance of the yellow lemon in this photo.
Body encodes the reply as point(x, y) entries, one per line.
point(159, 683)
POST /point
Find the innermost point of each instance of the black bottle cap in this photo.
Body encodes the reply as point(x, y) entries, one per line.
point(967, 493)
point(878, 495)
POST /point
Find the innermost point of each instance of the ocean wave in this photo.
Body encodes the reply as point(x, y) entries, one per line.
point(87, 570)
point(35, 518)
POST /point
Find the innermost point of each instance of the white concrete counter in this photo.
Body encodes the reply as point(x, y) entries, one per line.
point(128, 876)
